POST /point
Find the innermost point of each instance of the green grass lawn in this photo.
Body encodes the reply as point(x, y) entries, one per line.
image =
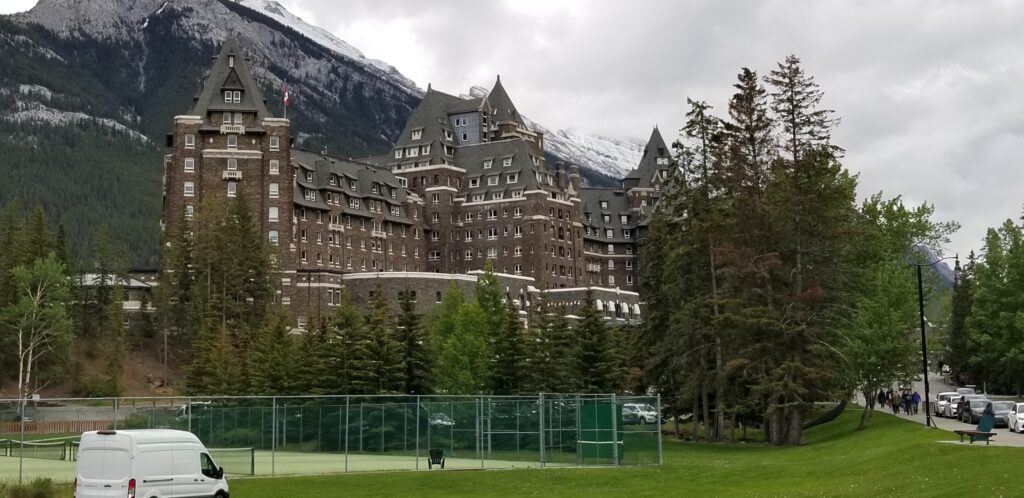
point(891, 457)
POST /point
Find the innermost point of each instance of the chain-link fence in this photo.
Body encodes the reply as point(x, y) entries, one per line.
point(332, 434)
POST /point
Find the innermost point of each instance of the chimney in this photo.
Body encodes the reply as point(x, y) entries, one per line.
point(574, 177)
point(560, 174)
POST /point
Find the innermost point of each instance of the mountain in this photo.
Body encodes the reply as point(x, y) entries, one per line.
point(88, 89)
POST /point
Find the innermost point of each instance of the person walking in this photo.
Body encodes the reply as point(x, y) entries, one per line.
point(894, 403)
point(916, 399)
point(906, 403)
point(881, 399)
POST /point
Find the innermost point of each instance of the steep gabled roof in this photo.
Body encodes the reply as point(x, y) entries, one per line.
point(501, 105)
point(656, 149)
point(225, 77)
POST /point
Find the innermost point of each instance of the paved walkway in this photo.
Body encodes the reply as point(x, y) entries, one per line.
point(937, 384)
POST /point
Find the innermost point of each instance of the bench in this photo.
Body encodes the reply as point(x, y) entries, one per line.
point(436, 457)
point(975, 436)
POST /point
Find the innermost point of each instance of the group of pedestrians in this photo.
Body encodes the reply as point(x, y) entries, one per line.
point(896, 401)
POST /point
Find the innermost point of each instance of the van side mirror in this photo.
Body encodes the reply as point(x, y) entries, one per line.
point(220, 473)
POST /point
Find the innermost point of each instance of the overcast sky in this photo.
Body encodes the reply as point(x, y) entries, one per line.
point(931, 93)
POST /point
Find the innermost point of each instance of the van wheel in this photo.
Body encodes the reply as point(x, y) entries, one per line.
point(220, 494)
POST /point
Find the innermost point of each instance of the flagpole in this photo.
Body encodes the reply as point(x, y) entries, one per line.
point(285, 100)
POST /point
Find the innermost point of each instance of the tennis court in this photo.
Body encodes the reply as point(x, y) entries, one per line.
point(266, 436)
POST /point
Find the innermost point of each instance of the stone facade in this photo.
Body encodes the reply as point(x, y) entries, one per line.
point(465, 184)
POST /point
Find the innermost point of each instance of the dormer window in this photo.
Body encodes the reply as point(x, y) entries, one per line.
point(236, 97)
point(447, 134)
point(488, 163)
point(352, 184)
point(604, 205)
point(227, 96)
point(492, 180)
point(231, 61)
point(474, 182)
point(507, 161)
point(309, 176)
point(417, 134)
point(512, 178)
point(398, 153)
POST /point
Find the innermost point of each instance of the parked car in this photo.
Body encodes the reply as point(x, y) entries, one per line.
point(1002, 411)
point(941, 401)
point(971, 409)
point(965, 390)
point(441, 420)
point(150, 462)
point(1016, 417)
point(648, 414)
point(950, 408)
point(631, 415)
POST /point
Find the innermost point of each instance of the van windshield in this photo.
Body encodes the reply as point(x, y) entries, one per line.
point(103, 464)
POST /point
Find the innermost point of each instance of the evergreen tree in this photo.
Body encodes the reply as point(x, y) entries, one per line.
point(116, 341)
point(349, 359)
point(313, 375)
point(959, 350)
point(443, 320)
point(385, 352)
point(749, 129)
point(416, 358)
point(794, 100)
point(599, 366)
point(509, 370)
point(463, 364)
point(551, 350)
point(274, 359)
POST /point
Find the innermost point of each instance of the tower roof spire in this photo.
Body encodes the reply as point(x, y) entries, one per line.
point(230, 87)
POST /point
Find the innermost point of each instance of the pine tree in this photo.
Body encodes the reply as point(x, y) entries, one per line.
point(599, 372)
point(385, 352)
point(509, 370)
point(116, 341)
point(463, 362)
point(794, 100)
point(959, 349)
point(349, 359)
point(313, 375)
point(551, 350)
point(274, 359)
point(750, 141)
point(416, 358)
point(444, 319)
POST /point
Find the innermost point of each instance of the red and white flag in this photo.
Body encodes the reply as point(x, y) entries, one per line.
point(285, 89)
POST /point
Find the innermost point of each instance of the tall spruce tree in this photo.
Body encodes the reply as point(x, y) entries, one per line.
point(348, 342)
point(794, 99)
point(958, 348)
point(313, 374)
point(491, 300)
point(416, 360)
point(599, 366)
point(385, 351)
point(509, 371)
point(274, 359)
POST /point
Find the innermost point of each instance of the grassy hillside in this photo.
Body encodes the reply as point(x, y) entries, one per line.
point(892, 457)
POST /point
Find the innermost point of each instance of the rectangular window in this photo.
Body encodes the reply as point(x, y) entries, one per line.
point(492, 180)
point(272, 216)
point(611, 264)
point(274, 191)
point(398, 153)
point(434, 199)
point(625, 233)
point(232, 189)
point(273, 237)
point(232, 164)
point(237, 97)
point(232, 141)
point(190, 141)
point(498, 195)
point(417, 134)
point(517, 194)
point(492, 252)
point(189, 211)
point(190, 165)
point(227, 97)
point(609, 233)
point(275, 166)
point(624, 219)
point(629, 264)
point(506, 161)
point(607, 218)
point(227, 118)
point(488, 163)
point(611, 279)
point(275, 143)
point(238, 118)
point(604, 204)
point(517, 213)
point(512, 178)
point(474, 182)
point(190, 189)
point(611, 249)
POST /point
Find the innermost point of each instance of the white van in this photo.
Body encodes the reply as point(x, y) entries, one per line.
point(151, 463)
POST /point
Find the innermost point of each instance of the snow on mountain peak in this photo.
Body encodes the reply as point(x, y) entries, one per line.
point(276, 11)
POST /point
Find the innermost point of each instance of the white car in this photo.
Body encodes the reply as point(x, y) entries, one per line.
point(146, 464)
point(949, 411)
point(648, 414)
point(941, 401)
point(1016, 418)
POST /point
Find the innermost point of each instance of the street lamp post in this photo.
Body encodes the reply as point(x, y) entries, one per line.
point(924, 344)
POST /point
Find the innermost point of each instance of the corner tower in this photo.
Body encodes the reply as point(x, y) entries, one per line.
point(229, 145)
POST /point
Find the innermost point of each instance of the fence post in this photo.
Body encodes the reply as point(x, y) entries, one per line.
point(579, 448)
point(542, 408)
point(21, 444)
point(615, 433)
point(188, 410)
point(273, 436)
point(346, 433)
point(659, 429)
point(480, 429)
point(417, 433)
point(115, 414)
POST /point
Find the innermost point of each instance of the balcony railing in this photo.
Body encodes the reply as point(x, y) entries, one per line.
point(239, 129)
point(232, 175)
